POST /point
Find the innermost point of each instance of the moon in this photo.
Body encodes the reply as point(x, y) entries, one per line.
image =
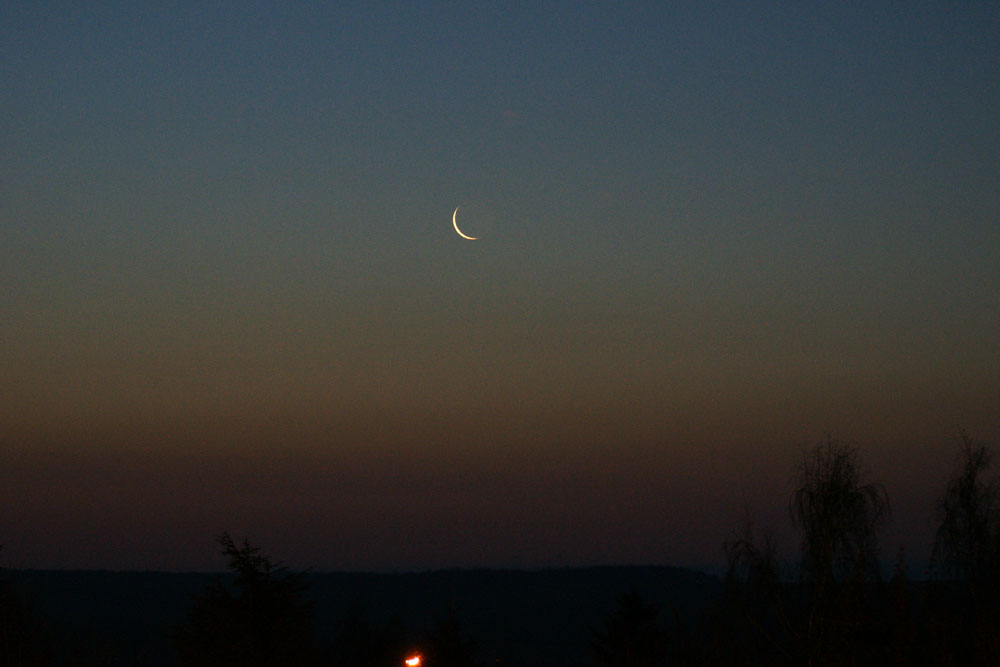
point(454, 221)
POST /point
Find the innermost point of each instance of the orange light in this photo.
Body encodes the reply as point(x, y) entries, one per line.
point(414, 661)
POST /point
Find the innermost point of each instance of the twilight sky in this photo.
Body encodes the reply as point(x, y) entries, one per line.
point(710, 234)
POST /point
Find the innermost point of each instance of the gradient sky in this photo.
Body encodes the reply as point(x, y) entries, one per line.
point(711, 234)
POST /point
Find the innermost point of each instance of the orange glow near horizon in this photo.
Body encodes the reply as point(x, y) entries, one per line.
point(414, 661)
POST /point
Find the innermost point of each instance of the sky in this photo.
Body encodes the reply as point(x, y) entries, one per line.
point(710, 236)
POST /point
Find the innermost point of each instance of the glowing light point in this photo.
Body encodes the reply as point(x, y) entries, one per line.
point(414, 661)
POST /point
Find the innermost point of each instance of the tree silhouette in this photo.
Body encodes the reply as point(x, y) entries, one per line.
point(631, 636)
point(838, 516)
point(263, 618)
point(967, 542)
point(756, 628)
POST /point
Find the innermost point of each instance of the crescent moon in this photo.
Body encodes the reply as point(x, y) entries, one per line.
point(454, 222)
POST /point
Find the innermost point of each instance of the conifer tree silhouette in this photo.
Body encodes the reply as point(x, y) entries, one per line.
point(261, 618)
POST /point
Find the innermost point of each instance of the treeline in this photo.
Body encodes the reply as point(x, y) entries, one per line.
point(835, 609)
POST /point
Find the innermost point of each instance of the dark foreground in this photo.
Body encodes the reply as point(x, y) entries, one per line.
point(514, 617)
point(480, 618)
